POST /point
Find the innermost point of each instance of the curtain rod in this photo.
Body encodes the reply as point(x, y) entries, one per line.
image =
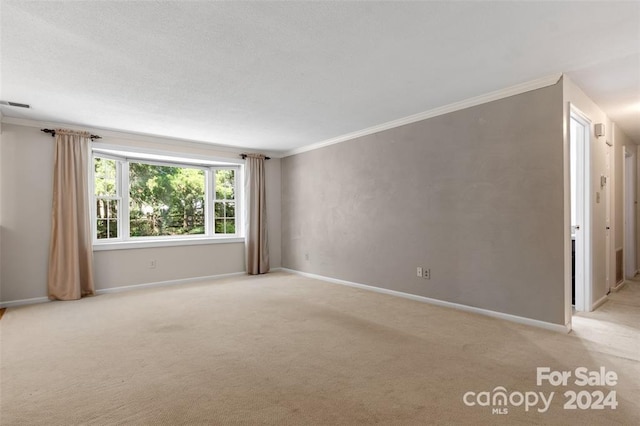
point(244, 156)
point(53, 133)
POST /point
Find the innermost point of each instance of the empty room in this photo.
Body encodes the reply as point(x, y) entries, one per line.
point(319, 212)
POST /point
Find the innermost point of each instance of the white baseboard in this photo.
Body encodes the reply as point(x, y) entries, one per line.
point(618, 286)
point(167, 283)
point(500, 315)
point(599, 302)
point(32, 301)
point(14, 303)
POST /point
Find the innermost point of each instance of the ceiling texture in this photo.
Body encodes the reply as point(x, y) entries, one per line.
point(278, 76)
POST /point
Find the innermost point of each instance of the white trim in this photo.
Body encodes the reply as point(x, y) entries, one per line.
point(209, 196)
point(15, 303)
point(124, 225)
point(456, 106)
point(125, 240)
point(21, 302)
point(584, 240)
point(168, 242)
point(238, 199)
point(599, 303)
point(167, 283)
point(500, 315)
point(619, 285)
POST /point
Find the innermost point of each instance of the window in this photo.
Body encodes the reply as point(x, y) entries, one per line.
point(225, 202)
point(107, 197)
point(166, 200)
point(139, 198)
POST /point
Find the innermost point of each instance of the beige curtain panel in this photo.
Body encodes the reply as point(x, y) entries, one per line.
point(70, 253)
point(256, 244)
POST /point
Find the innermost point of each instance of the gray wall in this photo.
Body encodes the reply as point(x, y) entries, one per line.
point(26, 193)
point(475, 195)
point(26, 170)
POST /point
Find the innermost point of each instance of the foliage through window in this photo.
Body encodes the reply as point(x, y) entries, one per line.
point(137, 198)
point(107, 197)
point(224, 204)
point(165, 200)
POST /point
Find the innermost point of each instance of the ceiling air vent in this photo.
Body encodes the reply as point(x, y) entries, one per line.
point(15, 104)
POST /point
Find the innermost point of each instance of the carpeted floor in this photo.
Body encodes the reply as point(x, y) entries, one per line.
point(286, 350)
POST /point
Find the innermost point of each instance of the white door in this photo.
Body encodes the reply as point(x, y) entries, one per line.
point(579, 132)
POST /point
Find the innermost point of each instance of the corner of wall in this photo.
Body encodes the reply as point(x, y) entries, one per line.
point(1, 191)
point(565, 82)
point(274, 209)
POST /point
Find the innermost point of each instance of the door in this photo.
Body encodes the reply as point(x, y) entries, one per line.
point(579, 150)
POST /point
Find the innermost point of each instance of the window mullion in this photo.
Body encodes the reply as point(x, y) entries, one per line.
point(124, 193)
point(209, 195)
point(94, 210)
point(214, 198)
point(238, 190)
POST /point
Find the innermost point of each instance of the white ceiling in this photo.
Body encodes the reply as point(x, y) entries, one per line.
point(282, 75)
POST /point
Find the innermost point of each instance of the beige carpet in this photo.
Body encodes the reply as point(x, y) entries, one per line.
point(285, 350)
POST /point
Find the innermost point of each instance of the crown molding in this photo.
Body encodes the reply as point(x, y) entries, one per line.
point(456, 106)
point(140, 137)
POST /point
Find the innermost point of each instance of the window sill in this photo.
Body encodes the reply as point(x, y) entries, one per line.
point(127, 245)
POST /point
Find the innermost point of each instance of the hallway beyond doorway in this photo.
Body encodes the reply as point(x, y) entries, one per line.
point(615, 326)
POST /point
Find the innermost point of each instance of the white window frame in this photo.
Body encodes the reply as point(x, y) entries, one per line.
point(118, 197)
point(209, 165)
point(211, 201)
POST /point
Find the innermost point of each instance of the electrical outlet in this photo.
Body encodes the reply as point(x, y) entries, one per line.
point(427, 273)
point(152, 264)
point(419, 272)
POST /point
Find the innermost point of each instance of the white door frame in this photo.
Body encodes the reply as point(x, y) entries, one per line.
point(584, 269)
point(606, 187)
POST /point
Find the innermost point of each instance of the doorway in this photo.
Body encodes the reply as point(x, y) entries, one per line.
point(629, 190)
point(579, 154)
